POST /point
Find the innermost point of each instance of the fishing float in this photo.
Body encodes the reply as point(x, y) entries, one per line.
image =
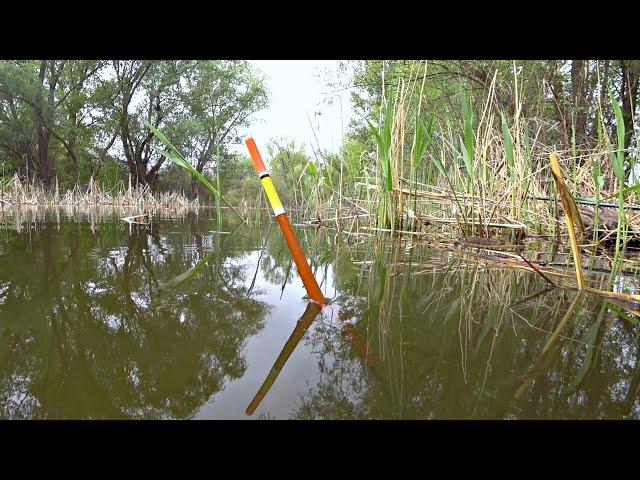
point(304, 270)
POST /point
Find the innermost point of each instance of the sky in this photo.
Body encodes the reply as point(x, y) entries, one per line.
point(299, 92)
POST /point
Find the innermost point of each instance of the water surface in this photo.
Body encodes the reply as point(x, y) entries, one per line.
point(182, 318)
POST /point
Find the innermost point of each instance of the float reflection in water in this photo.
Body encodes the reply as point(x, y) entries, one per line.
point(303, 324)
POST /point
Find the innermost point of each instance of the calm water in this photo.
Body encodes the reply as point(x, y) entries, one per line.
point(180, 319)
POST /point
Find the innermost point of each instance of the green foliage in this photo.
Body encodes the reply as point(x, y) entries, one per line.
point(618, 168)
point(63, 119)
point(354, 158)
point(467, 117)
point(174, 179)
point(436, 161)
point(292, 170)
point(382, 135)
point(217, 100)
point(112, 173)
point(239, 180)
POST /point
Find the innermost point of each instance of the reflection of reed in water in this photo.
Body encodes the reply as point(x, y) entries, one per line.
point(452, 332)
point(17, 217)
point(547, 351)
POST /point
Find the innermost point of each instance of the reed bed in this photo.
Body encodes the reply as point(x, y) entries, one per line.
point(487, 176)
point(488, 179)
point(15, 192)
point(33, 217)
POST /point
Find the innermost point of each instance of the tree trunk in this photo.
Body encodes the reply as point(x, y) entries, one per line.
point(140, 172)
point(102, 155)
point(578, 98)
point(152, 174)
point(73, 163)
point(630, 77)
point(193, 191)
point(43, 155)
point(558, 95)
point(43, 118)
point(42, 134)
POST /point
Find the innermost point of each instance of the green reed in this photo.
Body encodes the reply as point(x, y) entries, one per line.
point(617, 162)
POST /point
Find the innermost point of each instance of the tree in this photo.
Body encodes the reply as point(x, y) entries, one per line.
point(77, 103)
point(217, 100)
point(34, 93)
point(145, 91)
point(291, 166)
point(63, 118)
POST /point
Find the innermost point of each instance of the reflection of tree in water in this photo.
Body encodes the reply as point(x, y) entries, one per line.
point(87, 332)
point(344, 389)
point(452, 343)
point(277, 267)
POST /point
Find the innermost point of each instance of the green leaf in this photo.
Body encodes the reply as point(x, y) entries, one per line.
point(178, 279)
point(622, 314)
point(439, 166)
point(160, 136)
point(467, 159)
point(632, 188)
point(384, 153)
point(169, 155)
point(312, 169)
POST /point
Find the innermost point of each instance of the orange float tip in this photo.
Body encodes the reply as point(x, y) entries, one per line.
point(258, 163)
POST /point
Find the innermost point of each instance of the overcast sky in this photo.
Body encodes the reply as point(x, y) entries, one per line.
point(298, 92)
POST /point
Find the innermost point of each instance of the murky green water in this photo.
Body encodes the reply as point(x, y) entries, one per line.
point(102, 319)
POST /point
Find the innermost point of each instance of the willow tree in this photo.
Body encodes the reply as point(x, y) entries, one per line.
point(145, 92)
point(217, 101)
point(34, 96)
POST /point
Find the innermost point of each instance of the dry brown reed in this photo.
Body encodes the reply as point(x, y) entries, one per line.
point(17, 192)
